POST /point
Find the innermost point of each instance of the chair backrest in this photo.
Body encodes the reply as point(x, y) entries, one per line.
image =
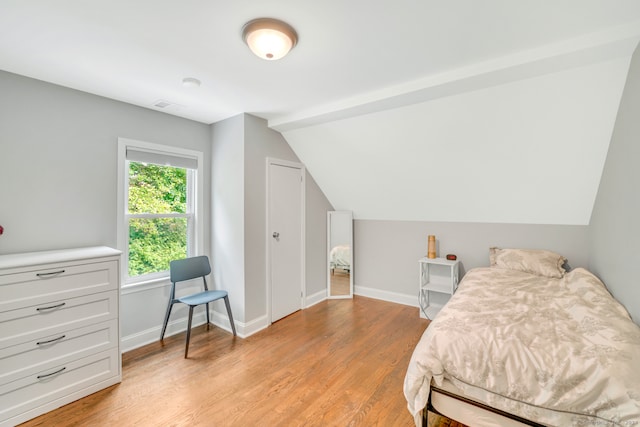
point(189, 268)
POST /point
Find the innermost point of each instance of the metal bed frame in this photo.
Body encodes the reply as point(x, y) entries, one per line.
point(431, 408)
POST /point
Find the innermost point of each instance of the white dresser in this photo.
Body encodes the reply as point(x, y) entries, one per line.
point(59, 330)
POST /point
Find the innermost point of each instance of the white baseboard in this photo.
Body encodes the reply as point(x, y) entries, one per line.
point(410, 300)
point(315, 298)
point(150, 335)
point(139, 339)
point(242, 329)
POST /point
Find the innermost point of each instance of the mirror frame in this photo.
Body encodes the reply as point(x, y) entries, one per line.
point(348, 216)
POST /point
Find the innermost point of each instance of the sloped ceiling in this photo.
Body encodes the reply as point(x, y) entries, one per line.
point(528, 151)
point(519, 138)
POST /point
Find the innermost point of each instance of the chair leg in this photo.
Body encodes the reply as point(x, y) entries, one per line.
point(166, 319)
point(233, 326)
point(208, 321)
point(186, 349)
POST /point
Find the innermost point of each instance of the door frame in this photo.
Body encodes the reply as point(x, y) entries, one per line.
point(270, 161)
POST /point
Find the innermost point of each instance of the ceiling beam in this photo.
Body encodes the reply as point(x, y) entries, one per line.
point(592, 48)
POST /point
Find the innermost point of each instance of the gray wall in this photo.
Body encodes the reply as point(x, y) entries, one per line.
point(241, 146)
point(614, 231)
point(386, 253)
point(58, 167)
point(227, 239)
point(260, 143)
point(316, 209)
point(58, 162)
point(58, 170)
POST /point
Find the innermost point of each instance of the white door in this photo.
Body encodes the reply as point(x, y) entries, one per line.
point(285, 234)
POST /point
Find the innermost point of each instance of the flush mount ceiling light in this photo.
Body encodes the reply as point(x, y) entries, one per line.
point(269, 38)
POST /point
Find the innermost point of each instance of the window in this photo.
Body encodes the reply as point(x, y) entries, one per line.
point(159, 208)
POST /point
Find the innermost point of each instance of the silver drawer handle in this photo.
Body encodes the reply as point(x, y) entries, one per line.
point(51, 307)
point(53, 373)
point(50, 341)
point(49, 274)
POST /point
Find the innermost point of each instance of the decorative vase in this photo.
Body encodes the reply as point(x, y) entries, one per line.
point(431, 251)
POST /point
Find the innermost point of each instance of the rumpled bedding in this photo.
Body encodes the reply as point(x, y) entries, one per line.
point(561, 352)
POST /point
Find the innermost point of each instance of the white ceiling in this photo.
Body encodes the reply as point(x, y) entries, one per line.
point(351, 53)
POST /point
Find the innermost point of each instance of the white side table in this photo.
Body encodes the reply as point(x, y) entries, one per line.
point(436, 275)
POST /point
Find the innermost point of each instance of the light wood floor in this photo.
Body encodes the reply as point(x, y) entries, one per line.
point(338, 363)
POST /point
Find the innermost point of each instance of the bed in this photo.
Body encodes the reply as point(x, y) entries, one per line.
point(525, 343)
point(340, 257)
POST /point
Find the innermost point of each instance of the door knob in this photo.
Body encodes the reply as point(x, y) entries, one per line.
point(276, 235)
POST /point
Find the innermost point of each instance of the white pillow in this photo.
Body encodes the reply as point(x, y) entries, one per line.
point(534, 261)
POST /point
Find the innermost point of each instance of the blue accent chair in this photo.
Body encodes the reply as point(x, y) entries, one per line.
point(187, 269)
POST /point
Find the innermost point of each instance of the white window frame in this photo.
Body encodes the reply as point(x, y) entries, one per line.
point(195, 241)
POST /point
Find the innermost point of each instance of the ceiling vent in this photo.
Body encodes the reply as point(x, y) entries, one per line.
point(162, 103)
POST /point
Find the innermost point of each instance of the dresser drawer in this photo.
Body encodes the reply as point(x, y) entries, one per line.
point(29, 323)
point(59, 385)
point(56, 281)
point(19, 360)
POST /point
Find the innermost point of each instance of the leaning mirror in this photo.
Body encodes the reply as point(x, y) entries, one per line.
point(340, 254)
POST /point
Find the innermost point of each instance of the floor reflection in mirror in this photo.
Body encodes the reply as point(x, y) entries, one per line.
point(340, 280)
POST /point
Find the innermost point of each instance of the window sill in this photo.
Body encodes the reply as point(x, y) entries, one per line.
point(144, 285)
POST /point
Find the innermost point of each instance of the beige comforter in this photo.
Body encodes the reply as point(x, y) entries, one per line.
point(561, 352)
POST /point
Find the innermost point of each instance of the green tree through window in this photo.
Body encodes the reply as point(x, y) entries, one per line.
point(159, 216)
